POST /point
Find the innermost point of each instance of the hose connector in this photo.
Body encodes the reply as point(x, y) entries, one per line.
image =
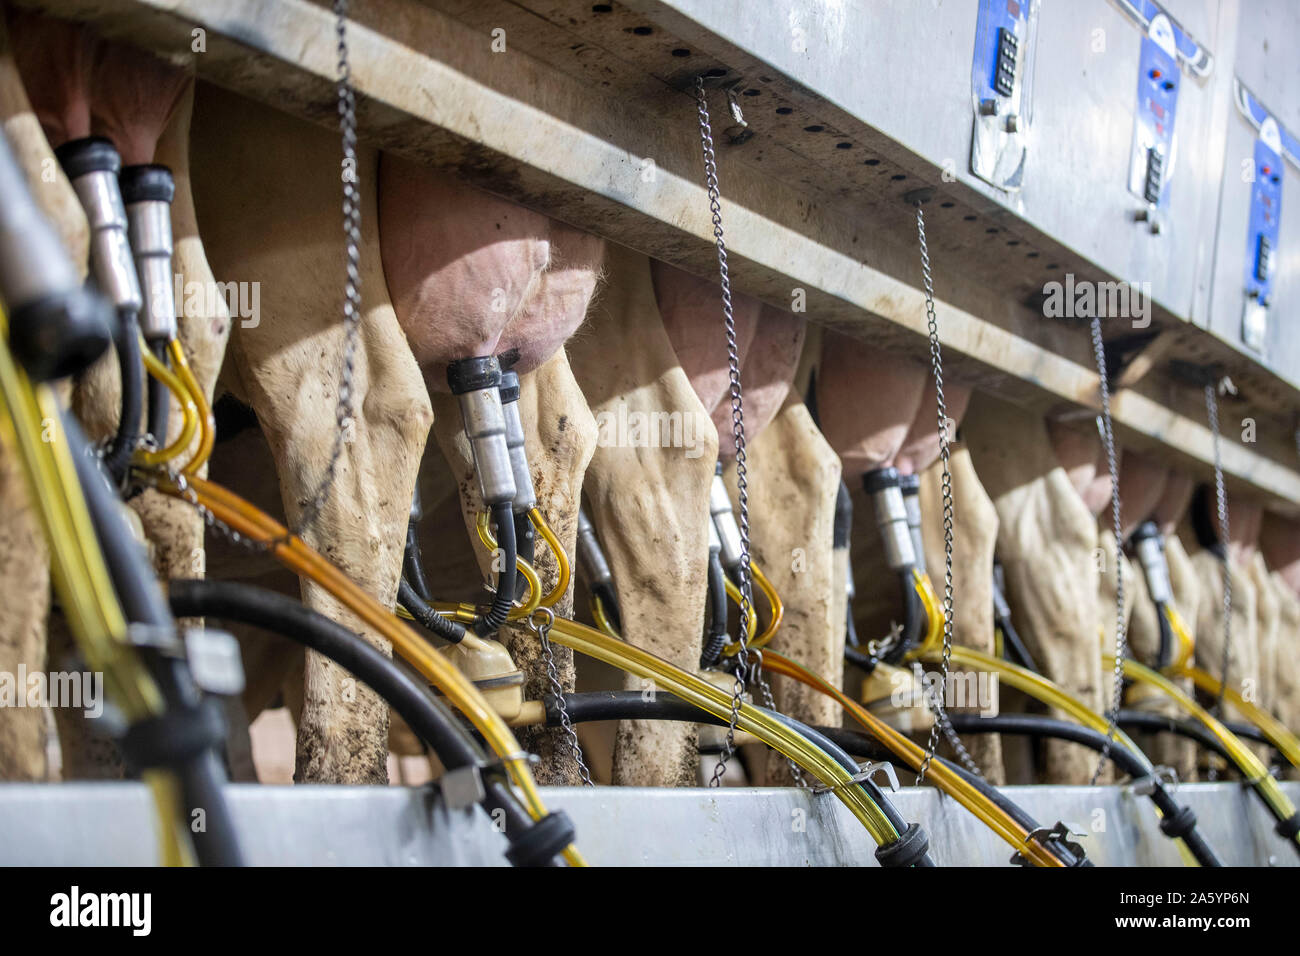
point(591, 557)
point(525, 495)
point(148, 191)
point(724, 522)
point(92, 165)
point(883, 487)
point(57, 327)
point(476, 384)
point(910, 485)
point(1150, 549)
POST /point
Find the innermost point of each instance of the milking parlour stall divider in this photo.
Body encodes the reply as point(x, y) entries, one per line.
point(710, 433)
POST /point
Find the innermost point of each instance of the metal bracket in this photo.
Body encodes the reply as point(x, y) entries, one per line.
point(1061, 832)
point(867, 771)
point(148, 636)
point(214, 659)
point(1145, 786)
point(462, 788)
point(740, 132)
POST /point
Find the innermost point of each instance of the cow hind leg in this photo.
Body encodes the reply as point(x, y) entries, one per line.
point(794, 475)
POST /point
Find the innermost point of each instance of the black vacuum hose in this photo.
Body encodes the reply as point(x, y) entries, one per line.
point(160, 400)
point(716, 638)
point(130, 364)
point(632, 705)
point(1176, 821)
point(426, 715)
point(154, 742)
point(864, 745)
point(503, 600)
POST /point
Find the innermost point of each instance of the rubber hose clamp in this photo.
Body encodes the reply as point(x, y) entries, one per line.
point(908, 850)
point(174, 737)
point(1178, 824)
point(1288, 828)
point(541, 842)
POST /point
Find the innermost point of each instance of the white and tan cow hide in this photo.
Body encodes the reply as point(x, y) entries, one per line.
point(1279, 543)
point(649, 496)
point(1287, 683)
point(793, 477)
point(1243, 660)
point(1267, 621)
point(1047, 536)
point(472, 275)
point(792, 474)
point(268, 197)
point(975, 531)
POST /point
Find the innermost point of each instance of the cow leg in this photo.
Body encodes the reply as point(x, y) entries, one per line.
point(268, 201)
point(561, 436)
point(1046, 542)
point(975, 535)
point(1243, 662)
point(1267, 616)
point(1288, 675)
point(794, 475)
point(650, 505)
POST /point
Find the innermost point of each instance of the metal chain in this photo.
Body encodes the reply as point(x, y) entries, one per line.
point(1121, 635)
point(1221, 500)
point(343, 412)
point(737, 430)
point(542, 630)
point(191, 498)
point(941, 721)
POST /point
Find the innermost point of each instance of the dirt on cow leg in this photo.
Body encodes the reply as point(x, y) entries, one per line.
point(24, 569)
point(793, 477)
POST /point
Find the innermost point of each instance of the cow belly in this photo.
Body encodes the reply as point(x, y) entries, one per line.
point(649, 501)
point(975, 533)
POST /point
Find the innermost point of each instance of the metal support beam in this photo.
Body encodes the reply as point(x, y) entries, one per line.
point(100, 824)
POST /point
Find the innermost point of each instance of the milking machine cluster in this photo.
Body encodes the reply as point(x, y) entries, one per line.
point(451, 678)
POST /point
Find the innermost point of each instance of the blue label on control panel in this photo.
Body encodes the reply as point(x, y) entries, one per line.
point(1159, 79)
point(1265, 215)
point(999, 33)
